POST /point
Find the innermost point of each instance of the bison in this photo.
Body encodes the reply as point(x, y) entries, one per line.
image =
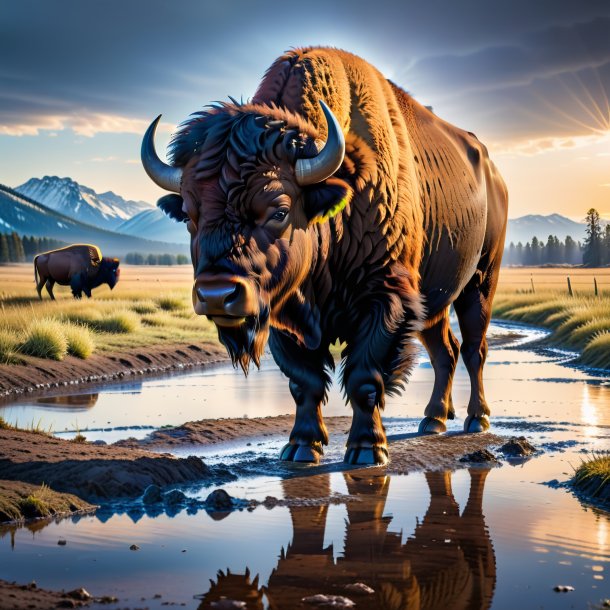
point(333, 206)
point(79, 266)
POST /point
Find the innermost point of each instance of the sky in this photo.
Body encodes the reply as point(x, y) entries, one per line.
point(81, 80)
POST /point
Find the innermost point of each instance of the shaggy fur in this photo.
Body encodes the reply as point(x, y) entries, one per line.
point(413, 221)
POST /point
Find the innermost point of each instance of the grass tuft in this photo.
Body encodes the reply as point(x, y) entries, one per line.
point(592, 477)
point(36, 504)
point(8, 347)
point(121, 322)
point(144, 307)
point(45, 339)
point(80, 340)
point(171, 303)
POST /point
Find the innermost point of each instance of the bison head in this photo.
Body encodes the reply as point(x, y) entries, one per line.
point(252, 181)
point(109, 272)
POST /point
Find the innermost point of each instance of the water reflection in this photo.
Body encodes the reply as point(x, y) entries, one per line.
point(448, 562)
point(84, 401)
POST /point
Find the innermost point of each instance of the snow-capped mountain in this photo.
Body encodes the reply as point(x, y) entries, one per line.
point(155, 225)
point(522, 229)
point(28, 217)
point(64, 195)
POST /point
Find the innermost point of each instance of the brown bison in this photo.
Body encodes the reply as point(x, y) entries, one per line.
point(79, 266)
point(335, 207)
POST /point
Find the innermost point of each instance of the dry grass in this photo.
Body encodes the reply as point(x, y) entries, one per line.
point(592, 477)
point(149, 306)
point(580, 322)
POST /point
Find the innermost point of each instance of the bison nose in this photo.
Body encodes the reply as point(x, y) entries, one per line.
point(224, 296)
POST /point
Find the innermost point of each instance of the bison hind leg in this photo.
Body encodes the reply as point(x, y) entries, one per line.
point(443, 349)
point(49, 286)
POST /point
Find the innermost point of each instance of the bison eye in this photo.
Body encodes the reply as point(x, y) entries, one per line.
point(280, 215)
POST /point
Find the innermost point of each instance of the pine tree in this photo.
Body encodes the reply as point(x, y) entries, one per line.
point(4, 251)
point(592, 255)
point(606, 245)
point(19, 254)
point(535, 251)
point(519, 254)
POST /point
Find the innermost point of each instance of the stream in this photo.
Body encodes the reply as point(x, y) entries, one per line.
point(479, 537)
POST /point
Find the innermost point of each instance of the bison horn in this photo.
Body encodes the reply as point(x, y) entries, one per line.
point(166, 176)
point(329, 159)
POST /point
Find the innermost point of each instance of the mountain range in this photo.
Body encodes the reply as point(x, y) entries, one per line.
point(28, 217)
point(64, 195)
point(64, 209)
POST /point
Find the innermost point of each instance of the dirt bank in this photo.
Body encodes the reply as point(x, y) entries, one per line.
point(20, 501)
point(38, 376)
point(91, 471)
point(31, 597)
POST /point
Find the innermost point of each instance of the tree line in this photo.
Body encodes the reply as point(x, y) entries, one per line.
point(19, 249)
point(593, 252)
point(139, 258)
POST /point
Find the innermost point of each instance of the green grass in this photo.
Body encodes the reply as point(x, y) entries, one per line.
point(171, 303)
point(45, 339)
point(80, 340)
point(581, 322)
point(592, 477)
point(146, 310)
point(8, 347)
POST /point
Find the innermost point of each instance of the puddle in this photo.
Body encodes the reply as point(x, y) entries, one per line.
point(471, 539)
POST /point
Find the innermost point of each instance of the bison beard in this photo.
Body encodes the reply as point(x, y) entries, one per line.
point(246, 342)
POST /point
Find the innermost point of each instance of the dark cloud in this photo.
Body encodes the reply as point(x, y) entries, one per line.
point(499, 63)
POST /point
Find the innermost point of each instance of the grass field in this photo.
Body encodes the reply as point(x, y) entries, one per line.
point(149, 306)
point(540, 296)
point(152, 306)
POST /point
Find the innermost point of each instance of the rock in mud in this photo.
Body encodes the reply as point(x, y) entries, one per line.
point(359, 587)
point(329, 601)
point(134, 547)
point(228, 604)
point(482, 456)
point(174, 498)
point(62, 542)
point(80, 594)
point(152, 495)
point(219, 500)
point(563, 588)
point(518, 446)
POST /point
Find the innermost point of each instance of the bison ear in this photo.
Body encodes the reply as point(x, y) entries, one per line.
point(172, 206)
point(326, 199)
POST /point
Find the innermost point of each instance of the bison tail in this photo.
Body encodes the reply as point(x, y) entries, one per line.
point(36, 269)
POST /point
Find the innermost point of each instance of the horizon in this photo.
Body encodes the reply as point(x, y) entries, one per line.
point(532, 82)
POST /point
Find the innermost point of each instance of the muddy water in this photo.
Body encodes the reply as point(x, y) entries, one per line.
point(474, 538)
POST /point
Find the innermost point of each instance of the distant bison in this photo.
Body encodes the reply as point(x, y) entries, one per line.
point(362, 219)
point(79, 266)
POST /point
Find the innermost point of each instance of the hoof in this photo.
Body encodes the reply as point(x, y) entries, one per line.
point(366, 455)
point(476, 424)
point(430, 425)
point(307, 454)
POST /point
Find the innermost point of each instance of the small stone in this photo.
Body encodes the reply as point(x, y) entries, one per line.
point(219, 500)
point(329, 601)
point(106, 599)
point(33, 585)
point(134, 547)
point(152, 495)
point(80, 594)
point(183, 551)
point(517, 447)
point(480, 456)
point(228, 604)
point(359, 587)
point(174, 498)
point(563, 588)
point(62, 542)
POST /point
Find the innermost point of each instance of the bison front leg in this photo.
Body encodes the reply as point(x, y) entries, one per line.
point(377, 359)
point(308, 384)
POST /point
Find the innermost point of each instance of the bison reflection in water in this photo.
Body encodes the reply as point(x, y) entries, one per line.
point(79, 266)
point(448, 562)
point(336, 207)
